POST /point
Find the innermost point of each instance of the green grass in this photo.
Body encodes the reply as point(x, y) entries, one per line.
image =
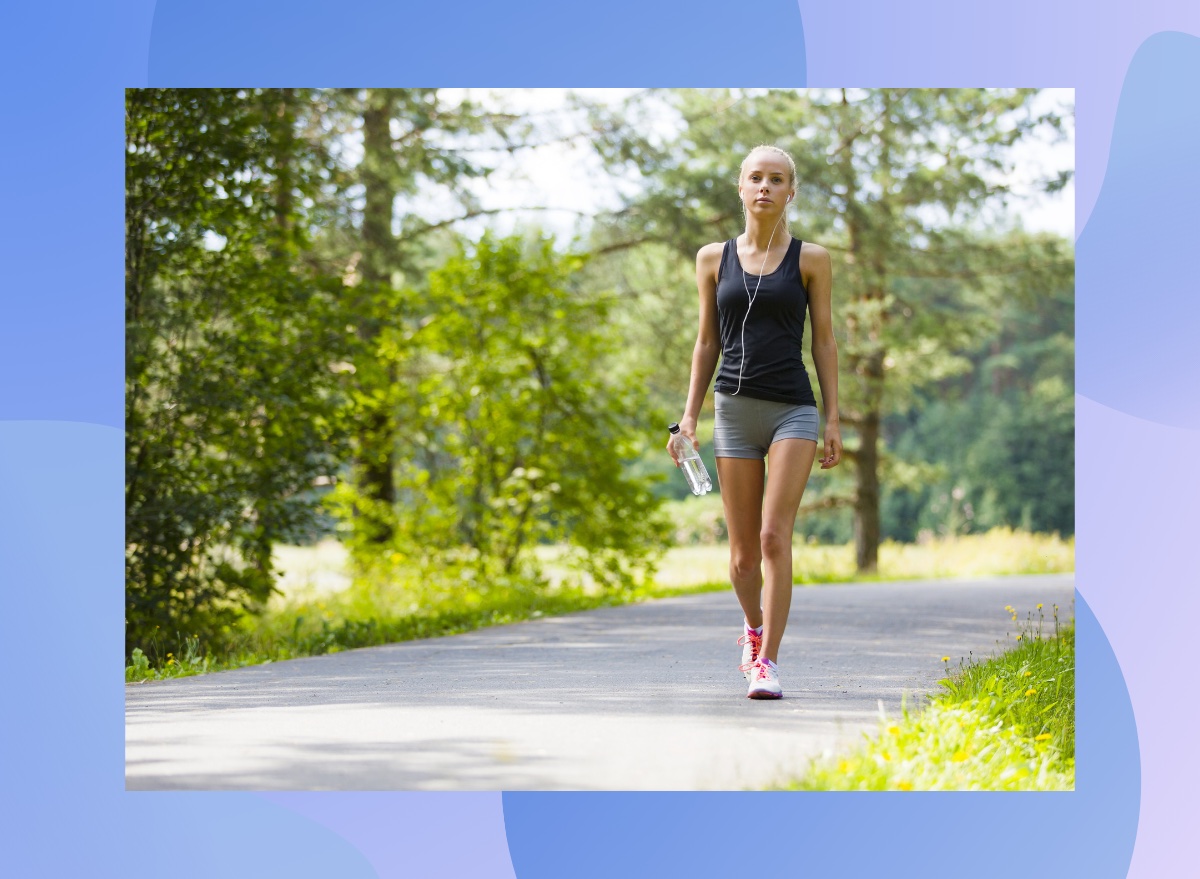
point(1004, 723)
point(321, 610)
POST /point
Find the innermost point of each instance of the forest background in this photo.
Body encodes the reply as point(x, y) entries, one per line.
point(332, 331)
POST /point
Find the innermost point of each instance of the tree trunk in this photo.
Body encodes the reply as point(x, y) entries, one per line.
point(866, 503)
point(377, 433)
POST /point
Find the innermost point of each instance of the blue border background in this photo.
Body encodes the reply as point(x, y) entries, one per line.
point(61, 358)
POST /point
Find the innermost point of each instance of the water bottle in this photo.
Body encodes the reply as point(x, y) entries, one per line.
point(689, 462)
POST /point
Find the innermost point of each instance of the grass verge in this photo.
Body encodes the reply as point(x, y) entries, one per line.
point(1004, 723)
point(338, 622)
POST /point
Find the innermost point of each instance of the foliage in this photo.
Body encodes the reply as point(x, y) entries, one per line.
point(516, 434)
point(1030, 687)
point(944, 747)
point(1002, 435)
point(1006, 723)
point(412, 138)
point(231, 410)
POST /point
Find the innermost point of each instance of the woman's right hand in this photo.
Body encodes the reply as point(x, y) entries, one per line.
point(687, 428)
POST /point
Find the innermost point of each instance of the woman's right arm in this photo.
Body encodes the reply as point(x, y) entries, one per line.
point(708, 340)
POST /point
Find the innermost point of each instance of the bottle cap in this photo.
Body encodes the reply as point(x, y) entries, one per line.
point(673, 427)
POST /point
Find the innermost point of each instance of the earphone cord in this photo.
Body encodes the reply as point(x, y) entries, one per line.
point(751, 297)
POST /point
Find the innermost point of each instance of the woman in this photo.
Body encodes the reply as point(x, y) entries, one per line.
point(754, 322)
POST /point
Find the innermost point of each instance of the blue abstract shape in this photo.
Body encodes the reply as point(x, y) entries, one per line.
point(65, 807)
point(851, 834)
point(61, 230)
point(1138, 313)
point(619, 43)
point(205, 835)
point(414, 833)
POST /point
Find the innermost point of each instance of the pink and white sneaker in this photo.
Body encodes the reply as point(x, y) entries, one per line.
point(751, 644)
point(764, 681)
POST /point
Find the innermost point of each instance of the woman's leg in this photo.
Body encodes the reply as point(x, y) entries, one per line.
point(789, 462)
point(741, 481)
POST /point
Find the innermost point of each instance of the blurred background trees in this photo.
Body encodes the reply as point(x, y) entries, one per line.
point(324, 338)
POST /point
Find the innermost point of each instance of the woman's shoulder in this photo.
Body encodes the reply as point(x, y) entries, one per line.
point(813, 257)
point(708, 257)
point(710, 251)
point(810, 250)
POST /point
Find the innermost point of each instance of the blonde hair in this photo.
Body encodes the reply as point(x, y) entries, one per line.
point(774, 149)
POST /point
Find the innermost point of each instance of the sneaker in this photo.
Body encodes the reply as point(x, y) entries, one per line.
point(751, 643)
point(764, 681)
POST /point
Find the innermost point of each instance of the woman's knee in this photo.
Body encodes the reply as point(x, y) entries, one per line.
point(744, 565)
point(775, 542)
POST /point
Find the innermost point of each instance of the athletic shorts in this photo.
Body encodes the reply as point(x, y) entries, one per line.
point(746, 427)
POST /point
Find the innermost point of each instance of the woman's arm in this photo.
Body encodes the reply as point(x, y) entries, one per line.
point(817, 272)
point(708, 340)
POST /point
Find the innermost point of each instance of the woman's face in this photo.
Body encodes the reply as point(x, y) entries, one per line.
point(764, 186)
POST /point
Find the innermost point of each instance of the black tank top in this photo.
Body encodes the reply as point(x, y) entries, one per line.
point(773, 369)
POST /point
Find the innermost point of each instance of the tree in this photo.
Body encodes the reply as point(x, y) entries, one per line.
point(516, 434)
point(231, 409)
point(414, 141)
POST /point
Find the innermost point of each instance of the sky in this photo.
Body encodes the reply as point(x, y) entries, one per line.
point(567, 181)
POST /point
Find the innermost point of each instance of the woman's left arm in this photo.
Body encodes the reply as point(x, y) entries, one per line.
point(817, 272)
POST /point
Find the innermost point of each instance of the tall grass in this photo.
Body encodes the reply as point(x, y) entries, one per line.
point(999, 552)
point(1004, 723)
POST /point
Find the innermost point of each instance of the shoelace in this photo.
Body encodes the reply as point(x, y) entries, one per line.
point(755, 642)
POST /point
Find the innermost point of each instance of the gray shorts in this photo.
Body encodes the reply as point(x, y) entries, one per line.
point(746, 427)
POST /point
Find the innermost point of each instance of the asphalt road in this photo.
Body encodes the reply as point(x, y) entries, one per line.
point(642, 697)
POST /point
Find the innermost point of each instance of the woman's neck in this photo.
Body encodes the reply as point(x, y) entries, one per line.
point(760, 236)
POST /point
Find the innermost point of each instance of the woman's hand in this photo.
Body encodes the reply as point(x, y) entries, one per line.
point(831, 453)
point(687, 428)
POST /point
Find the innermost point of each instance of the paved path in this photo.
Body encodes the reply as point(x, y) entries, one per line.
point(646, 696)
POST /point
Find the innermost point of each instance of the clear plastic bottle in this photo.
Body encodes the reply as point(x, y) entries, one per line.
point(689, 462)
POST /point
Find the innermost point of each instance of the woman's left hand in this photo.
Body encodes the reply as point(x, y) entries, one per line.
point(831, 453)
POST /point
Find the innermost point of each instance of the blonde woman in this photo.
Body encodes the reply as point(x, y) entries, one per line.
point(755, 291)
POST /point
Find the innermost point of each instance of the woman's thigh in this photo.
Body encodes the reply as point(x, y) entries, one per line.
point(789, 462)
point(741, 481)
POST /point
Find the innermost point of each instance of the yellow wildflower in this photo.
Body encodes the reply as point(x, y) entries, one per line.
point(1039, 607)
point(945, 659)
point(1028, 674)
point(959, 756)
point(1030, 692)
point(904, 785)
point(894, 730)
point(1043, 737)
